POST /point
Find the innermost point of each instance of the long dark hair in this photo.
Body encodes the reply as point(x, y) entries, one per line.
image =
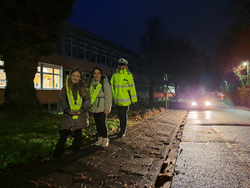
point(92, 75)
point(80, 85)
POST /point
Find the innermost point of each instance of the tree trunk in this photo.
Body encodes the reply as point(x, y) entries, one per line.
point(151, 87)
point(20, 91)
point(151, 93)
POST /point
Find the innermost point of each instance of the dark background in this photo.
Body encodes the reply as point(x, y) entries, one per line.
point(201, 22)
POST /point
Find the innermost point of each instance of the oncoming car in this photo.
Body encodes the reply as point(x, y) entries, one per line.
point(201, 103)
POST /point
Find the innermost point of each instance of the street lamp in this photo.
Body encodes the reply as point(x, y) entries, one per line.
point(247, 64)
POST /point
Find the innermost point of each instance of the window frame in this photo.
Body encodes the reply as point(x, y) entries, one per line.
point(41, 73)
point(5, 81)
point(114, 60)
point(72, 44)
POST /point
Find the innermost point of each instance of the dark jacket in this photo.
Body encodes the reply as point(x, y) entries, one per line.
point(83, 119)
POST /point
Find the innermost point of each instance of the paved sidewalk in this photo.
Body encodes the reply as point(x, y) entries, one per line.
point(132, 161)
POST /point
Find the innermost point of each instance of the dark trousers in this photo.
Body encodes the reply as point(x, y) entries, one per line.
point(123, 117)
point(58, 151)
point(100, 122)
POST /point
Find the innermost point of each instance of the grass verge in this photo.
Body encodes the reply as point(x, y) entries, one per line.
point(32, 138)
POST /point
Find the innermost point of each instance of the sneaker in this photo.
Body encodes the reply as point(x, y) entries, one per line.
point(99, 141)
point(105, 142)
point(120, 135)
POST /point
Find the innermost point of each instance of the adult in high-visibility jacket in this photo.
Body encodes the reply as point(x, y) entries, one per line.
point(75, 100)
point(124, 92)
point(101, 102)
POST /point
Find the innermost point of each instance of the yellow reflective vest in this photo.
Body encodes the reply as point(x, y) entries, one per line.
point(94, 92)
point(123, 88)
point(74, 105)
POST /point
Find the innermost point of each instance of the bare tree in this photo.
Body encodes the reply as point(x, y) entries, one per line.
point(153, 46)
point(183, 64)
point(176, 57)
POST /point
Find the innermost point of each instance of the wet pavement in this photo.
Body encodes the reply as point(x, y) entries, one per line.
point(214, 155)
point(132, 161)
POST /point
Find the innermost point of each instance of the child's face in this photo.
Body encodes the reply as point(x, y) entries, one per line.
point(75, 77)
point(97, 74)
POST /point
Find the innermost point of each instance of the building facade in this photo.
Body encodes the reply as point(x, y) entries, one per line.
point(81, 48)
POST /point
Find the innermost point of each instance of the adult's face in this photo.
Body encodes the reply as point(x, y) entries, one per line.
point(121, 66)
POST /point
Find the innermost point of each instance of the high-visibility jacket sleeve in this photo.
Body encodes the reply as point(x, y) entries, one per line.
point(132, 89)
point(112, 83)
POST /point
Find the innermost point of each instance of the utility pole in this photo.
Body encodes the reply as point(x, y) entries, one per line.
point(166, 89)
point(166, 98)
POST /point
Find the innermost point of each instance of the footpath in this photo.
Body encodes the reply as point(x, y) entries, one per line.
point(135, 161)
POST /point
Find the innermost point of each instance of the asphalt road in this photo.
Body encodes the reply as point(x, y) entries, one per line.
point(214, 150)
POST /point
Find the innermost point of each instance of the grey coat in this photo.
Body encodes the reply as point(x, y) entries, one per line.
point(103, 100)
point(83, 119)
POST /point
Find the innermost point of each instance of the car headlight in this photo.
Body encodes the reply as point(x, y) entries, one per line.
point(194, 103)
point(208, 103)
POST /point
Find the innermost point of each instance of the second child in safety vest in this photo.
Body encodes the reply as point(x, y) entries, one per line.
point(101, 102)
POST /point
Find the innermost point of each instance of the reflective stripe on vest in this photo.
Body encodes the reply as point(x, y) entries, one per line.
point(123, 86)
point(94, 92)
point(74, 105)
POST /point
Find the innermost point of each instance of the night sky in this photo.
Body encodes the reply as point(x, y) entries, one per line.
point(123, 21)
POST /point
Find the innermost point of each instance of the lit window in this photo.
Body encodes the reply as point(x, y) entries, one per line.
point(57, 71)
point(2, 76)
point(51, 77)
point(37, 79)
point(47, 81)
point(56, 81)
point(37, 82)
point(47, 70)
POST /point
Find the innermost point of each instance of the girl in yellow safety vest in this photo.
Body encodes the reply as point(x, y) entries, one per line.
point(101, 102)
point(124, 93)
point(75, 100)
